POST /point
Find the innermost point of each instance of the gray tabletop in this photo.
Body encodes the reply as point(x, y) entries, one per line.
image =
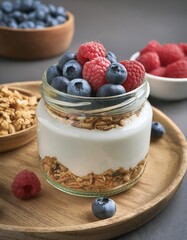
point(124, 27)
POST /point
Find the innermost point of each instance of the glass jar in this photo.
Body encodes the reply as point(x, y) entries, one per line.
point(92, 146)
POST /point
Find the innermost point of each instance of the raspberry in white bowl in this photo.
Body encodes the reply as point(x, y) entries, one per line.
point(94, 124)
point(166, 69)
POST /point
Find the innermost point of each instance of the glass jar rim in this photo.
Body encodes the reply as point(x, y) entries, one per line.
point(66, 102)
point(44, 81)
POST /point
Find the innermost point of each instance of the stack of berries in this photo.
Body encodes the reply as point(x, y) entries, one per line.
point(165, 60)
point(93, 71)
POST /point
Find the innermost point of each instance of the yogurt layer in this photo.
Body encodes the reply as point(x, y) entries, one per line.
point(84, 151)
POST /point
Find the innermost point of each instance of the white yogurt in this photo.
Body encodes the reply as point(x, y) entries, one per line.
point(84, 151)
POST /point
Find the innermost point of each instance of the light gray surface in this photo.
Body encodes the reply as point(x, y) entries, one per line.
point(124, 27)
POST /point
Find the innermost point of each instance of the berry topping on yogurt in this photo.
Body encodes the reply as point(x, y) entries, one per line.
point(104, 74)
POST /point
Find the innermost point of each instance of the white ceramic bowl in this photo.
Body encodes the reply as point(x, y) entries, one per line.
point(165, 88)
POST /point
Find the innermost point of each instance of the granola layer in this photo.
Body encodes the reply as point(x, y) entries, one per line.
point(103, 123)
point(108, 180)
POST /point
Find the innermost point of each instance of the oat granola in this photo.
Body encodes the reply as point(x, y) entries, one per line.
point(17, 111)
point(91, 182)
point(103, 123)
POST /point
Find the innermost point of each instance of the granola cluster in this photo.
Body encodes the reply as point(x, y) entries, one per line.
point(103, 123)
point(17, 111)
point(108, 180)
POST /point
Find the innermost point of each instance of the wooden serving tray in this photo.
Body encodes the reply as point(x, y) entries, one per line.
point(57, 215)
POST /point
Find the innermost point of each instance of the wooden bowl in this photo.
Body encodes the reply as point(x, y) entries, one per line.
point(36, 43)
point(18, 139)
point(15, 140)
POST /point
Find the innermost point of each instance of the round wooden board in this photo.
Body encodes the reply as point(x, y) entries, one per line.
point(57, 215)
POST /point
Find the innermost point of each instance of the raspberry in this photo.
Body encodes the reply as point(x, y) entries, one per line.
point(169, 53)
point(185, 58)
point(95, 72)
point(26, 185)
point(152, 46)
point(160, 71)
point(135, 74)
point(150, 60)
point(177, 69)
point(183, 47)
point(90, 50)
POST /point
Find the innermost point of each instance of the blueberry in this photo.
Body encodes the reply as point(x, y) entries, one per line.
point(79, 87)
point(13, 24)
point(60, 83)
point(32, 16)
point(157, 130)
point(24, 17)
point(31, 24)
point(16, 15)
point(10, 20)
point(111, 54)
point(17, 4)
point(110, 90)
point(36, 4)
point(111, 57)
point(72, 69)
point(52, 22)
point(40, 14)
point(1, 15)
point(6, 18)
point(48, 18)
point(2, 24)
point(52, 72)
point(26, 5)
point(52, 9)
point(40, 24)
point(44, 8)
point(19, 16)
point(23, 25)
point(65, 58)
point(61, 19)
point(103, 207)
point(60, 11)
point(7, 6)
point(116, 73)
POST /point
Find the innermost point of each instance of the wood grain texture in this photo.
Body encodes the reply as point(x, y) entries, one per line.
point(57, 215)
point(36, 43)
